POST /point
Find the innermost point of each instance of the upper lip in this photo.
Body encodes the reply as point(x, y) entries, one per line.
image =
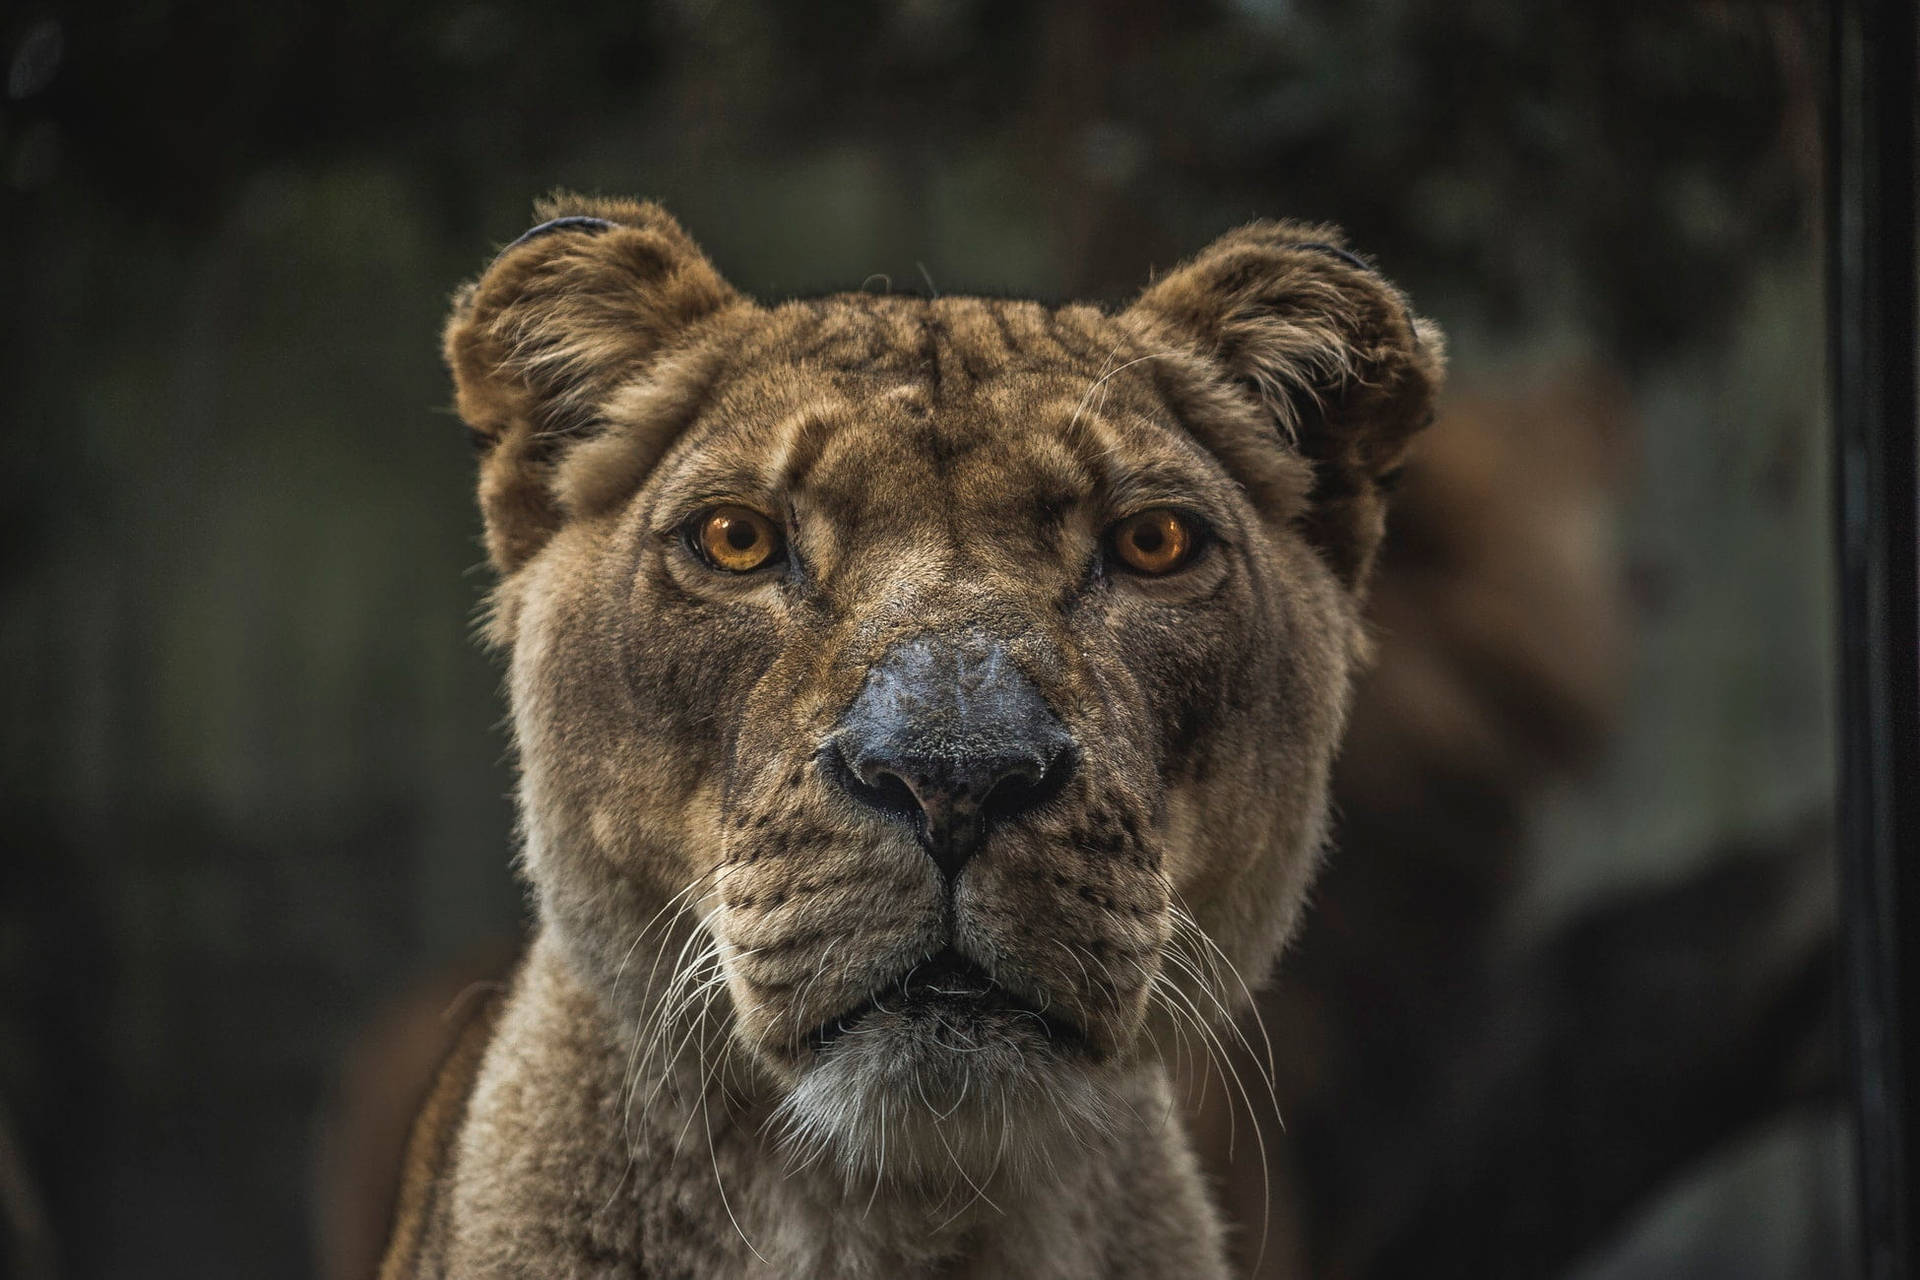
point(947, 977)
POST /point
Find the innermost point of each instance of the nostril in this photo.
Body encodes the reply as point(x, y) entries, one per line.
point(890, 791)
point(1011, 794)
point(870, 781)
point(1027, 787)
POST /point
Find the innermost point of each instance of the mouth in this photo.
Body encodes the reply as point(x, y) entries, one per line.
point(951, 1002)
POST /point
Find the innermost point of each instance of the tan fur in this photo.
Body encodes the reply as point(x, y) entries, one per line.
point(652, 1101)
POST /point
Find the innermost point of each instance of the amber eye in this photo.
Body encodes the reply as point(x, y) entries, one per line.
point(1155, 542)
point(737, 539)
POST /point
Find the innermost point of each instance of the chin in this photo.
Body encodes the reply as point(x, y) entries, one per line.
point(946, 1077)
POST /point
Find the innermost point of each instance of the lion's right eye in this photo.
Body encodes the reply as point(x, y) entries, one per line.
point(736, 539)
point(1155, 542)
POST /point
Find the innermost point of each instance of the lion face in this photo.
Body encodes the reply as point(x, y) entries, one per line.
point(938, 696)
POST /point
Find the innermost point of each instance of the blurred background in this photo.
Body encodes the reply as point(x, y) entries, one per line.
point(1565, 1003)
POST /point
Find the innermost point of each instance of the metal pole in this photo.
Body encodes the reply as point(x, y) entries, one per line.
point(1871, 326)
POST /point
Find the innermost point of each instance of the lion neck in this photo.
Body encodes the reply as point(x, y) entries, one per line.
point(680, 1167)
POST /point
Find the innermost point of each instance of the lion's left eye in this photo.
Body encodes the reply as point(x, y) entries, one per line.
point(736, 539)
point(1156, 541)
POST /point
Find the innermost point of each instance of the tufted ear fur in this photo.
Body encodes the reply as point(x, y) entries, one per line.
point(591, 300)
point(1329, 351)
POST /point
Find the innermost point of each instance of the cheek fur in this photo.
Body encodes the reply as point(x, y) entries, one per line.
point(1194, 672)
point(690, 664)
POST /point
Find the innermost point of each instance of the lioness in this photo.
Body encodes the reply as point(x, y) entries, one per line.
point(924, 713)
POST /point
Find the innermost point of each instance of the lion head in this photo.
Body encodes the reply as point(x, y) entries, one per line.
point(929, 701)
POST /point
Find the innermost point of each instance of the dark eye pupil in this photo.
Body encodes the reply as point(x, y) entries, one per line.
point(1149, 538)
point(741, 535)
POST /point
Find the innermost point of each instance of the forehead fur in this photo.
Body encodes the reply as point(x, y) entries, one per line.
point(964, 394)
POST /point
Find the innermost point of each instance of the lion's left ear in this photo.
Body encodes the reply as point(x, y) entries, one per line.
point(1327, 349)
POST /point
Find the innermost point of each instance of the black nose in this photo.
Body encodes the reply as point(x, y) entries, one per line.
point(950, 734)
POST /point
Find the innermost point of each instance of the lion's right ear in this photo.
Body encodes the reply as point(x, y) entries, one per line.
point(565, 316)
point(1329, 353)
